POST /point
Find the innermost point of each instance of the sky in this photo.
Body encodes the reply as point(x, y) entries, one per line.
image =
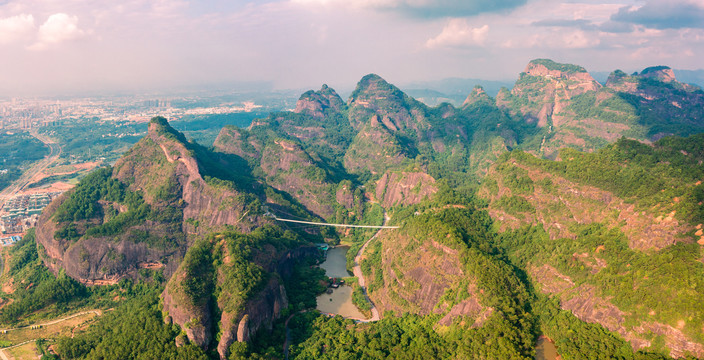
point(53, 47)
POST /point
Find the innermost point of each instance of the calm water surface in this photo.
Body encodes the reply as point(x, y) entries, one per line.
point(545, 349)
point(340, 301)
point(336, 263)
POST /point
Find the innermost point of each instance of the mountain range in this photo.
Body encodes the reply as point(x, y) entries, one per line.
point(561, 207)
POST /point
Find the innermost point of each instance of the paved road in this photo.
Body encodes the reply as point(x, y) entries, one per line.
point(26, 178)
point(357, 270)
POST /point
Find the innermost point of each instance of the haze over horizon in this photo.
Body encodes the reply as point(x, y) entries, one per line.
point(54, 48)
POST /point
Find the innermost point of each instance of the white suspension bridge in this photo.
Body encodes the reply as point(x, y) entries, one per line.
point(268, 213)
point(335, 225)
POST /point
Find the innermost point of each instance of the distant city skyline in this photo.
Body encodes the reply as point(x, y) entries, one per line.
point(64, 47)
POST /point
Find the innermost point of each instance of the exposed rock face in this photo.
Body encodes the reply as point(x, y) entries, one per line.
point(477, 95)
point(415, 280)
point(396, 110)
point(240, 322)
point(317, 103)
point(576, 78)
point(195, 320)
point(164, 168)
point(585, 303)
point(405, 188)
point(375, 149)
point(100, 260)
point(344, 196)
point(232, 140)
point(659, 99)
point(260, 312)
point(572, 203)
point(469, 307)
point(548, 85)
point(290, 168)
point(662, 73)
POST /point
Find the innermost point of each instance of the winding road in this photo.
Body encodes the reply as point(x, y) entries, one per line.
point(41, 165)
point(357, 270)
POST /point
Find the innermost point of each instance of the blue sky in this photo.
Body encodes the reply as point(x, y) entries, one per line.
point(62, 46)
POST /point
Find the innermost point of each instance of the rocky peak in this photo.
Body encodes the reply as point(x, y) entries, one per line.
point(662, 73)
point(616, 77)
point(477, 95)
point(159, 127)
point(375, 96)
point(316, 102)
point(562, 72)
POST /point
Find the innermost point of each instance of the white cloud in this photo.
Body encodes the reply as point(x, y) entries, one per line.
point(58, 28)
point(424, 9)
point(16, 28)
point(578, 40)
point(458, 33)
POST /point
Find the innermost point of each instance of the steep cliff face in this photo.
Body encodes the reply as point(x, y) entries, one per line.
point(405, 188)
point(374, 149)
point(420, 270)
point(396, 110)
point(439, 263)
point(663, 105)
point(145, 208)
point(521, 194)
point(546, 86)
point(317, 103)
point(291, 169)
point(585, 302)
point(245, 272)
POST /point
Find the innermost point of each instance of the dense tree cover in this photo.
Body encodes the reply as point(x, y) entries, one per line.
point(98, 185)
point(77, 215)
point(639, 173)
point(17, 151)
point(134, 330)
point(242, 277)
point(304, 284)
point(227, 267)
point(407, 337)
point(336, 133)
point(198, 282)
point(577, 340)
point(514, 205)
point(612, 109)
point(664, 286)
point(90, 139)
point(42, 289)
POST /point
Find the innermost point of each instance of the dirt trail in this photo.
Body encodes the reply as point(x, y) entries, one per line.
point(96, 312)
point(3, 355)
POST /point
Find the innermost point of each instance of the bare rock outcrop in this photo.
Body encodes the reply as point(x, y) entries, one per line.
point(404, 188)
point(316, 103)
point(585, 303)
